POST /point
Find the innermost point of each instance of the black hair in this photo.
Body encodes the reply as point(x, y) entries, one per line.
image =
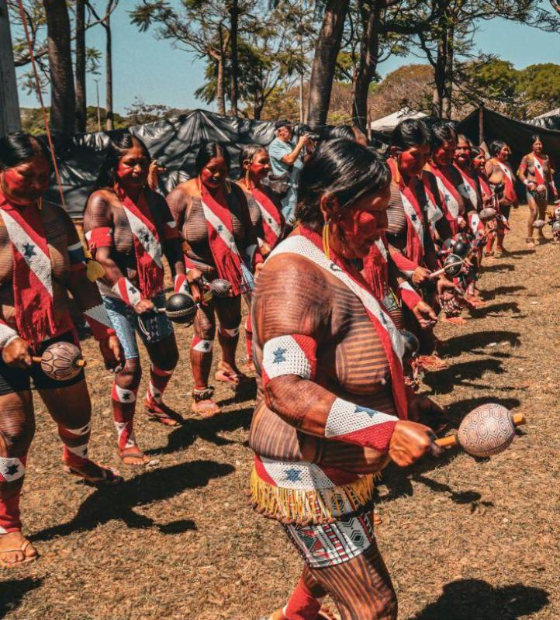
point(442, 132)
point(409, 133)
point(343, 131)
point(19, 147)
point(477, 150)
point(536, 138)
point(248, 152)
point(496, 147)
point(462, 136)
point(117, 147)
point(207, 152)
point(343, 168)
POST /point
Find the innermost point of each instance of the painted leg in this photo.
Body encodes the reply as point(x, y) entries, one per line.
point(17, 427)
point(164, 357)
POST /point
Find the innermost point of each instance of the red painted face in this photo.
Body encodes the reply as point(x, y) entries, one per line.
point(463, 153)
point(504, 153)
point(479, 162)
point(260, 165)
point(215, 173)
point(412, 161)
point(132, 169)
point(444, 153)
point(361, 224)
point(25, 183)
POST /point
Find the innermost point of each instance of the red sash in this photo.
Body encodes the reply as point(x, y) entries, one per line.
point(413, 214)
point(272, 219)
point(471, 190)
point(32, 274)
point(147, 244)
point(224, 250)
point(485, 189)
point(389, 335)
point(450, 197)
point(509, 181)
point(539, 170)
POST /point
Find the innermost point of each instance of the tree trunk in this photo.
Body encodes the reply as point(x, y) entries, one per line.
point(220, 88)
point(234, 22)
point(80, 70)
point(448, 98)
point(63, 98)
point(440, 69)
point(324, 63)
point(371, 11)
point(109, 119)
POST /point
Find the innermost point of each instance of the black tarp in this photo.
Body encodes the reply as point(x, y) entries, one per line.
point(174, 143)
point(517, 134)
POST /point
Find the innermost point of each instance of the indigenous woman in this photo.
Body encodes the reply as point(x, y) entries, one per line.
point(469, 188)
point(488, 194)
point(409, 233)
point(129, 229)
point(265, 212)
point(41, 262)
point(536, 174)
point(333, 406)
point(499, 162)
point(448, 178)
point(219, 242)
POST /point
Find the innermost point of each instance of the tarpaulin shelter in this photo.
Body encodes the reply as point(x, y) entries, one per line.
point(174, 143)
point(519, 135)
point(388, 123)
point(550, 120)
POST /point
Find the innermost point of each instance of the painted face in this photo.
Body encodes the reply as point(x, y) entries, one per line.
point(214, 173)
point(445, 152)
point(361, 224)
point(260, 165)
point(479, 162)
point(537, 147)
point(25, 183)
point(504, 153)
point(412, 161)
point(463, 153)
point(133, 166)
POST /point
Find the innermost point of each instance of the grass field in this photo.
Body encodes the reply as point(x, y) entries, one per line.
point(463, 539)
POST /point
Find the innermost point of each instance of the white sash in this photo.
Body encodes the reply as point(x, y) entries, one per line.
point(149, 242)
point(301, 246)
point(450, 200)
point(414, 218)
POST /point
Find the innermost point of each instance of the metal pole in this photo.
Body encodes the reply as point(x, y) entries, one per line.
point(10, 119)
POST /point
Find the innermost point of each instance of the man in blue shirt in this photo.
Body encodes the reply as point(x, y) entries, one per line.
point(287, 158)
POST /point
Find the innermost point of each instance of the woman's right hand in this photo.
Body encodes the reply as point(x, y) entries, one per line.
point(144, 306)
point(17, 354)
point(410, 442)
point(194, 278)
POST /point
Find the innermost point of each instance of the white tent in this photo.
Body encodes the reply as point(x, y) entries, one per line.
point(388, 123)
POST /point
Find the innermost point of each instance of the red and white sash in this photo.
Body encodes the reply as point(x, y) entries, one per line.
point(308, 245)
point(147, 244)
point(539, 170)
point(449, 193)
point(468, 189)
point(509, 180)
point(271, 217)
point(32, 274)
point(227, 258)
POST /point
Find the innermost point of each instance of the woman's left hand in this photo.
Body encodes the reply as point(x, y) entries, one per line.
point(112, 353)
point(424, 314)
point(153, 174)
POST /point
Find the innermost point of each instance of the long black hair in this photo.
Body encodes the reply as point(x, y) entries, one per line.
point(343, 168)
point(409, 133)
point(18, 147)
point(207, 152)
point(496, 147)
point(442, 132)
point(117, 148)
point(536, 138)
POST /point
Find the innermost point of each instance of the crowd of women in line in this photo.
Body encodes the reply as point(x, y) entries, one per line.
point(381, 248)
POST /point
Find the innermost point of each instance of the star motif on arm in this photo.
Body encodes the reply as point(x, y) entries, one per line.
point(29, 250)
point(370, 412)
point(279, 356)
point(12, 469)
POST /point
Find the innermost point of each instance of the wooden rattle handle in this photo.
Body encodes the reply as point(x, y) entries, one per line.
point(451, 440)
point(79, 363)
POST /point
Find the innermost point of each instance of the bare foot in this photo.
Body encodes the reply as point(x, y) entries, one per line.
point(93, 473)
point(16, 550)
point(134, 456)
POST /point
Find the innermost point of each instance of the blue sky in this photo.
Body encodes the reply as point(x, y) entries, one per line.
point(156, 72)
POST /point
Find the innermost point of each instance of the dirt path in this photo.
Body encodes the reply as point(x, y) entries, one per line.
point(463, 539)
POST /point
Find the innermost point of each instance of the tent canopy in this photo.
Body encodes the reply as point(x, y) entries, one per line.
point(388, 123)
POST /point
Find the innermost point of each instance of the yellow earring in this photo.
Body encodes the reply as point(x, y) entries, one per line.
point(326, 244)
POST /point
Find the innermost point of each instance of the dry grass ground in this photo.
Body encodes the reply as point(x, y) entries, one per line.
point(463, 539)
